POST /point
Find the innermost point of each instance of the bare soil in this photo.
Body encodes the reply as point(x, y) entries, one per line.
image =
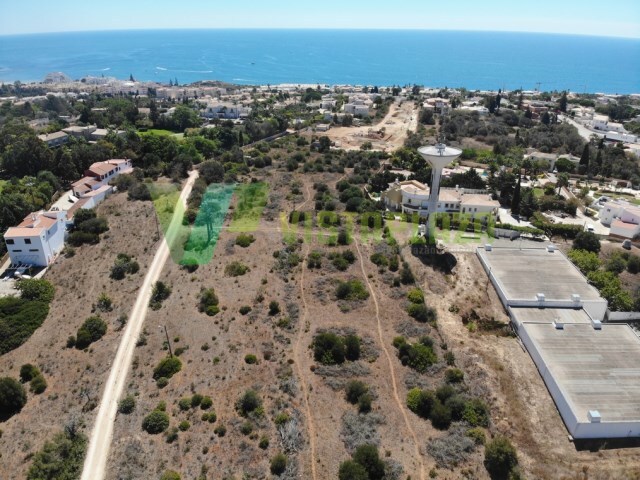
point(75, 377)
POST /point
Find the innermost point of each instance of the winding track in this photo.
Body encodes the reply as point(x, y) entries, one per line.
point(390, 361)
point(95, 462)
point(297, 352)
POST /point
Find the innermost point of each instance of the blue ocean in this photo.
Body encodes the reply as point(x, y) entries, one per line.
point(476, 60)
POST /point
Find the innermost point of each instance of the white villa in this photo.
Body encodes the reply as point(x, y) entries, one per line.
point(412, 196)
point(226, 110)
point(622, 218)
point(37, 239)
point(99, 174)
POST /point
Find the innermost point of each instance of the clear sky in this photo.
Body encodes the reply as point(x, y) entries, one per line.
point(589, 17)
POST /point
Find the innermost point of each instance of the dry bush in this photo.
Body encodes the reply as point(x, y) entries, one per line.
point(359, 429)
point(453, 449)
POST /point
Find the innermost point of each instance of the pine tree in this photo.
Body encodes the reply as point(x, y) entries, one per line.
point(515, 201)
point(584, 158)
point(562, 103)
point(131, 79)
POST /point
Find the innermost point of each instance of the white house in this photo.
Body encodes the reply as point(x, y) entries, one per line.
point(353, 109)
point(99, 174)
point(37, 239)
point(226, 110)
point(412, 196)
point(623, 219)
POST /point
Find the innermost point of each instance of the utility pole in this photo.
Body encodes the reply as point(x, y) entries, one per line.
point(168, 341)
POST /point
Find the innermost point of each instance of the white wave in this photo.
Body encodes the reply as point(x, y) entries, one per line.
point(161, 68)
point(105, 69)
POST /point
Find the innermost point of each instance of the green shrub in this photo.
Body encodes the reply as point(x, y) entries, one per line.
point(278, 464)
point(184, 404)
point(456, 405)
point(500, 458)
point(38, 384)
point(351, 290)
point(440, 416)
point(450, 358)
point(354, 389)
point(127, 405)
point(196, 400)
point(246, 428)
point(184, 426)
point(477, 435)
point(172, 435)
point(328, 348)
point(379, 259)
point(244, 240)
point(351, 470)
point(156, 422)
point(588, 241)
point(170, 475)
point(476, 413)
point(208, 302)
point(274, 308)
point(92, 330)
point(235, 269)
point(415, 295)
point(28, 372)
point(633, 264)
point(12, 397)
point(19, 318)
point(422, 313)
point(212, 417)
point(220, 430)
point(249, 402)
point(352, 347)
point(244, 309)
point(251, 359)
point(368, 457)
point(264, 443)
point(314, 260)
point(60, 458)
point(281, 418)
point(420, 402)
point(206, 403)
point(444, 392)
point(454, 375)
point(162, 382)
point(417, 356)
point(167, 367)
point(586, 261)
point(36, 289)
point(160, 293)
point(364, 403)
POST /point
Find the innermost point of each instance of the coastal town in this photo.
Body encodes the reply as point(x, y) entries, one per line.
point(213, 280)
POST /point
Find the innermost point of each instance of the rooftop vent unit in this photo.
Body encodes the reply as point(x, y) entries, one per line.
point(596, 324)
point(551, 248)
point(488, 247)
point(594, 416)
point(540, 297)
point(558, 324)
point(575, 298)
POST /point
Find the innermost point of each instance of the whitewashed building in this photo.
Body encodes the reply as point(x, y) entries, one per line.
point(37, 239)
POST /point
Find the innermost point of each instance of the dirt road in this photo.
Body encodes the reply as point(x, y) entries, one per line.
point(100, 441)
point(401, 119)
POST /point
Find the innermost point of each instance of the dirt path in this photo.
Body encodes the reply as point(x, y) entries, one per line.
point(299, 350)
point(390, 362)
point(100, 441)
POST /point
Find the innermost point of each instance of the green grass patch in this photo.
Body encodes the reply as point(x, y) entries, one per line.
point(252, 198)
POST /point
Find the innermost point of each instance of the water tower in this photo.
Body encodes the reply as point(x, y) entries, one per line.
point(438, 156)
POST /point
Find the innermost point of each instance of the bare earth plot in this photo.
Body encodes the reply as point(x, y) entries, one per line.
point(401, 119)
point(75, 378)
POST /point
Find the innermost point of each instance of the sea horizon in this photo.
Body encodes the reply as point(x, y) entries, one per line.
point(476, 60)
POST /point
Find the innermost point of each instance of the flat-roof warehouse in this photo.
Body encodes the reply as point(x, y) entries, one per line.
point(591, 369)
point(539, 278)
